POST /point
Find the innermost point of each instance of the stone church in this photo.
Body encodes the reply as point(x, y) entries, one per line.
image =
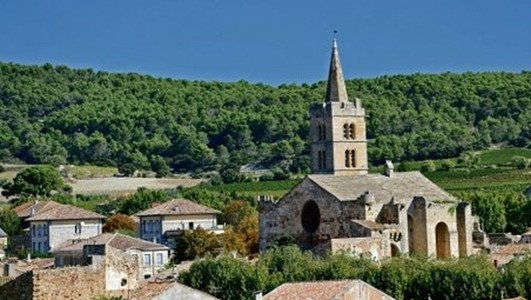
point(340, 206)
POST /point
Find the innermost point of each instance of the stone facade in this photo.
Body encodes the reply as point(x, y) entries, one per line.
point(342, 208)
point(337, 131)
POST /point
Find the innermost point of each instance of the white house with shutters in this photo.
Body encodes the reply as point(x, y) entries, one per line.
point(163, 223)
point(51, 228)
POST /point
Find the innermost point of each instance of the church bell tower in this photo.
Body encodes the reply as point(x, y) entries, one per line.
point(338, 139)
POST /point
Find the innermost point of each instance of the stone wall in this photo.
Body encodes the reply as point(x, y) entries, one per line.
point(121, 270)
point(284, 218)
point(68, 283)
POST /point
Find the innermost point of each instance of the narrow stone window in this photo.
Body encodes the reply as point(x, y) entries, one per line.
point(324, 160)
point(345, 131)
point(352, 131)
point(191, 225)
point(347, 158)
point(77, 228)
point(324, 132)
point(320, 132)
point(123, 282)
point(353, 158)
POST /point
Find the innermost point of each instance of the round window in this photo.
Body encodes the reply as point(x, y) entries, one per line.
point(310, 217)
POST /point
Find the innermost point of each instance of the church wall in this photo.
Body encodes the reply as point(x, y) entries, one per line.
point(284, 217)
point(435, 214)
point(417, 227)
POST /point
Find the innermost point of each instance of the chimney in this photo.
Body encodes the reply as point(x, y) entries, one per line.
point(28, 259)
point(32, 211)
point(389, 168)
point(258, 295)
point(357, 102)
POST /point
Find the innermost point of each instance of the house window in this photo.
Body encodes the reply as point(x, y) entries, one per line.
point(191, 225)
point(147, 259)
point(77, 228)
point(33, 230)
point(39, 247)
point(159, 260)
point(45, 246)
point(150, 226)
point(45, 230)
point(144, 229)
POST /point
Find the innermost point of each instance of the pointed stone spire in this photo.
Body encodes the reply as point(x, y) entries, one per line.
point(336, 90)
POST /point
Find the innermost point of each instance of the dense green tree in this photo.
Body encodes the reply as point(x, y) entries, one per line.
point(37, 181)
point(53, 114)
point(9, 221)
point(195, 244)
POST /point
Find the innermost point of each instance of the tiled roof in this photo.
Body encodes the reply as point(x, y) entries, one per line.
point(371, 225)
point(402, 186)
point(124, 242)
point(513, 249)
point(24, 210)
point(321, 290)
point(115, 240)
point(77, 245)
point(65, 212)
point(178, 207)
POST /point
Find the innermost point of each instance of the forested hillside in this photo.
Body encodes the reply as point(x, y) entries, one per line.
point(53, 114)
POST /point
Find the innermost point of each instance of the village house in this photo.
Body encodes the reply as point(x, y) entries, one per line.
point(150, 257)
point(164, 223)
point(324, 290)
point(49, 224)
point(108, 265)
point(341, 207)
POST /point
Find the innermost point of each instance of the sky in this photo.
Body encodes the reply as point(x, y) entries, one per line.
point(269, 41)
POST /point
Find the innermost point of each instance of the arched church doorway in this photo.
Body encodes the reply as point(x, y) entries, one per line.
point(394, 250)
point(442, 238)
point(310, 217)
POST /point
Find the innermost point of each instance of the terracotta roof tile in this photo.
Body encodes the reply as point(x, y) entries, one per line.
point(314, 290)
point(24, 210)
point(115, 240)
point(513, 249)
point(178, 207)
point(65, 212)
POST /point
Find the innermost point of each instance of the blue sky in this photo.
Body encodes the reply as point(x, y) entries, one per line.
point(271, 41)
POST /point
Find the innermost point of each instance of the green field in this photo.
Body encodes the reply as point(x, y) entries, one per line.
point(502, 156)
point(277, 189)
point(456, 180)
